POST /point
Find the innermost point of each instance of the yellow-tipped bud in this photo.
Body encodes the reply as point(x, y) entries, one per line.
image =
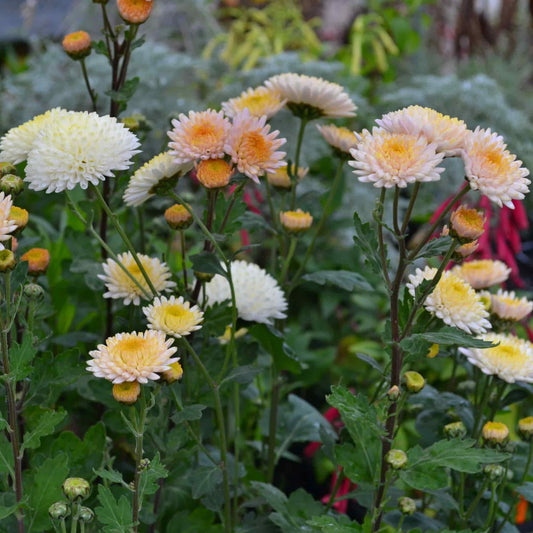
point(77, 44)
point(7, 168)
point(11, 184)
point(214, 173)
point(135, 11)
point(281, 180)
point(76, 488)
point(131, 123)
point(20, 217)
point(495, 433)
point(455, 430)
point(467, 225)
point(465, 250)
point(59, 510)
point(178, 217)
point(394, 393)
point(525, 427)
point(38, 261)
point(203, 276)
point(396, 458)
point(296, 221)
point(7, 260)
point(414, 381)
point(174, 374)
point(407, 505)
point(126, 392)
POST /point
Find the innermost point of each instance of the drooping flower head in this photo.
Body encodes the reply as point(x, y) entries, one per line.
point(507, 306)
point(133, 357)
point(258, 295)
point(7, 224)
point(78, 148)
point(492, 169)
point(310, 97)
point(511, 360)
point(446, 132)
point(482, 273)
point(453, 300)
point(341, 139)
point(201, 135)
point(252, 146)
point(259, 101)
point(144, 183)
point(394, 159)
point(174, 316)
point(120, 286)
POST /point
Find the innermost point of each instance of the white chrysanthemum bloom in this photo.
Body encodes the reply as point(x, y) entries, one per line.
point(511, 360)
point(174, 316)
point(201, 135)
point(492, 169)
point(133, 357)
point(259, 101)
point(7, 226)
point(311, 97)
point(16, 144)
point(482, 273)
point(120, 286)
point(78, 148)
point(453, 300)
point(446, 132)
point(507, 306)
point(143, 183)
point(252, 146)
point(258, 296)
point(394, 159)
point(342, 139)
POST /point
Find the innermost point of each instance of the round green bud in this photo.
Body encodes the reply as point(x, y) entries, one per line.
point(394, 393)
point(407, 505)
point(131, 123)
point(11, 184)
point(494, 472)
point(86, 515)
point(59, 510)
point(396, 458)
point(76, 488)
point(203, 276)
point(455, 430)
point(33, 291)
point(414, 381)
point(7, 168)
point(144, 464)
point(7, 260)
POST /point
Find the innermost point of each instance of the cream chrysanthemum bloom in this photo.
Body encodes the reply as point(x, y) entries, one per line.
point(78, 148)
point(482, 273)
point(252, 146)
point(16, 144)
point(174, 316)
point(7, 225)
point(281, 179)
point(311, 97)
point(258, 296)
point(446, 132)
point(394, 160)
point(342, 139)
point(120, 286)
point(453, 300)
point(492, 169)
point(511, 360)
point(143, 183)
point(259, 101)
point(201, 135)
point(133, 357)
point(507, 306)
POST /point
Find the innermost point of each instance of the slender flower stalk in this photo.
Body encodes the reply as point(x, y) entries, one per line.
point(138, 422)
point(293, 172)
point(90, 90)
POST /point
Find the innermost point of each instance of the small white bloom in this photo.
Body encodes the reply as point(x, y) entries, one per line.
point(7, 226)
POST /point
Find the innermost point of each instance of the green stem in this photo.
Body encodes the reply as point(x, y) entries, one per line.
point(485, 395)
point(331, 501)
point(183, 258)
point(381, 240)
point(478, 497)
point(142, 240)
point(273, 423)
point(490, 514)
point(294, 170)
point(92, 94)
point(528, 464)
point(63, 526)
point(288, 259)
point(409, 211)
point(75, 519)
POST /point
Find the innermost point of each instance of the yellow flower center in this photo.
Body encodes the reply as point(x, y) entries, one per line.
point(398, 153)
point(257, 103)
point(255, 148)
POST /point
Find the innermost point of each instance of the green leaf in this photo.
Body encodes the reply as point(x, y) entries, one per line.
point(343, 279)
point(207, 263)
point(274, 497)
point(6, 455)
point(447, 336)
point(205, 480)
point(41, 422)
point(253, 221)
point(437, 246)
point(123, 95)
point(337, 524)
point(191, 412)
point(20, 356)
point(242, 374)
point(148, 482)
point(111, 475)
point(526, 490)
point(100, 48)
point(365, 237)
point(114, 515)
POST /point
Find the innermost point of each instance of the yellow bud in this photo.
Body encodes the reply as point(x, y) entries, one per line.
point(77, 45)
point(126, 392)
point(76, 488)
point(38, 259)
point(433, 351)
point(178, 217)
point(296, 221)
point(396, 458)
point(495, 433)
point(7, 260)
point(20, 217)
point(467, 225)
point(174, 374)
point(413, 381)
point(525, 426)
point(214, 173)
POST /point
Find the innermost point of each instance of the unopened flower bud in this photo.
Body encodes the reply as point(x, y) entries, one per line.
point(76, 488)
point(494, 472)
point(407, 505)
point(144, 464)
point(467, 225)
point(455, 430)
point(525, 427)
point(20, 217)
point(7, 260)
point(394, 393)
point(495, 433)
point(33, 291)
point(214, 173)
point(135, 11)
point(130, 123)
point(466, 387)
point(396, 458)
point(7, 168)
point(413, 381)
point(38, 261)
point(295, 221)
point(126, 392)
point(86, 515)
point(178, 217)
point(203, 276)
point(465, 250)
point(433, 351)
point(281, 180)
point(11, 184)
point(174, 374)
point(77, 45)
point(59, 510)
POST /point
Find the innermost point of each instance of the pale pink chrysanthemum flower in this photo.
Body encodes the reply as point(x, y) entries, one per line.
point(7, 225)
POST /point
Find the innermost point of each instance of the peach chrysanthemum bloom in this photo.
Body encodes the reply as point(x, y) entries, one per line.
point(135, 11)
point(394, 160)
point(252, 146)
point(492, 170)
point(467, 224)
point(214, 173)
point(341, 139)
point(201, 135)
point(280, 178)
point(453, 300)
point(310, 97)
point(77, 44)
point(466, 250)
point(296, 221)
point(133, 357)
point(38, 261)
point(482, 273)
point(507, 306)
point(511, 360)
point(446, 132)
point(120, 286)
point(259, 101)
point(7, 224)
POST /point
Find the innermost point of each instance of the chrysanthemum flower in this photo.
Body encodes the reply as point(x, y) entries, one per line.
point(214, 173)
point(296, 221)
point(259, 101)
point(174, 316)
point(467, 224)
point(133, 357)
point(7, 224)
point(482, 273)
point(77, 44)
point(492, 169)
point(453, 300)
point(199, 136)
point(394, 160)
point(17, 142)
point(160, 169)
point(252, 146)
point(280, 178)
point(507, 306)
point(511, 360)
point(135, 11)
point(120, 286)
point(258, 295)
point(465, 250)
point(309, 97)
point(446, 132)
point(38, 261)
point(78, 148)
point(342, 139)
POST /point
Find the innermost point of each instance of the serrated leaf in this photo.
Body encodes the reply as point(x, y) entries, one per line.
point(110, 475)
point(343, 279)
point(274, 497)
point(41, 422)
point(365, 237)
point(148, 481)
point(191, 412)
point(273, 343)
point(242, 374)
point(437, 246)
point(253, 221)
point(205, 480)
point(208, 263)
point(447, 336)
point(114, 515)
point(20, 355)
